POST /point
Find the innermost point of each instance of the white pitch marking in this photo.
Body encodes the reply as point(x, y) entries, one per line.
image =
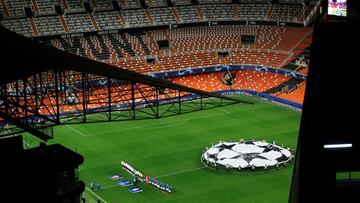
point(96, 195)
point(80, 133)
point(110, 186)
point(180, 172)
point(223, 110)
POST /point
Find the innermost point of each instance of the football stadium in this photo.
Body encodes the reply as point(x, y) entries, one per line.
point(157, 100)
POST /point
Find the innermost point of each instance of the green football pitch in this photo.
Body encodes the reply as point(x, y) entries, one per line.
point(170, 149)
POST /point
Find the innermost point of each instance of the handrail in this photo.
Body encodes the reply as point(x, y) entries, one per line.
point(312, 13)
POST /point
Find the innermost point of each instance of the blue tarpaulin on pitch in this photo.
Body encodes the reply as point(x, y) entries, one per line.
point(115, 177)
point(135, 190)
point(125, 183)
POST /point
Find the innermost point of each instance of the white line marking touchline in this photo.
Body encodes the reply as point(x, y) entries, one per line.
point(96, 195)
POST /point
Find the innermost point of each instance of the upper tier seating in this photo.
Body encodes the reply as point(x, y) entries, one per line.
point(182, 2)
point(156, 3)
point(46, 7)
point(50, 25)
point(20, 25)
point(136, 18)
point(192, 47)
point(162, 16)
point(16, 7)
point(187, 14)
point(108, 20)
point(79, 23)
point(218, 11)
point(132, 15)
point(253, 11)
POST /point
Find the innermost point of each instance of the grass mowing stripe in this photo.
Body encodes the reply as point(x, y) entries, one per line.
point(138, 127)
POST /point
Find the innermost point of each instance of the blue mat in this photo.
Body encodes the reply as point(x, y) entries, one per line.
point(135, 190)
point(115, 177)
point(125, 183)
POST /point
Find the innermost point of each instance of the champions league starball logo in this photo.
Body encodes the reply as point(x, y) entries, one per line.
point(246, 155)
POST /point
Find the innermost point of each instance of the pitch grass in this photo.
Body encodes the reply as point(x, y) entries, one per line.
point(170, 148)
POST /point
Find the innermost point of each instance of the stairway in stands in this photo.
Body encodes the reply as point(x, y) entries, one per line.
point(103, 53)
point(73, 45)
point(278, 89)
point(299, 63)
point(142, 43)
point(118, 42)
point(301, 53)
point(127, 46)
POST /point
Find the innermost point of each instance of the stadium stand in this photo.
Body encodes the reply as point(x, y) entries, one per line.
point(79, 23)
point(218, 11)
point(248, 80)
point(103, 17)
point(156, 3)
point(253, 11)
point(74, 6)
point(182, 2)
point(193, 47)
point(45, 7)
point(288, 13)
point(108, 20)
point(15, 8)
point(187, 14)
point(297, 95)
point(162, 16)
point(49, 25)
point(130, 4)
point(136, 18)
point(102, 6)
point(189, 47)
point(20, 25)
point(287, 86)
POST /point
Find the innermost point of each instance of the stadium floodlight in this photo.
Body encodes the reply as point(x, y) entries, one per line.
point(337, 146)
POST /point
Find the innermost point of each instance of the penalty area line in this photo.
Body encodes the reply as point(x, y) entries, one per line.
point(97, 196)
point(180, 172)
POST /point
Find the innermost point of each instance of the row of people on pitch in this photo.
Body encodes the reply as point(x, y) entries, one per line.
point(160, 185)
point(94, 187)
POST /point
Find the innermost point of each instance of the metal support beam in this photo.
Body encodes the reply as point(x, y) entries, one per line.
point(36, 94)
point(57, 97)
point(109, 97)
point(157, 101)
point(179, 100)
point(133, 99)
point(83, 83)
point(17, 92)
point(59, 93)
point(25, 102)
